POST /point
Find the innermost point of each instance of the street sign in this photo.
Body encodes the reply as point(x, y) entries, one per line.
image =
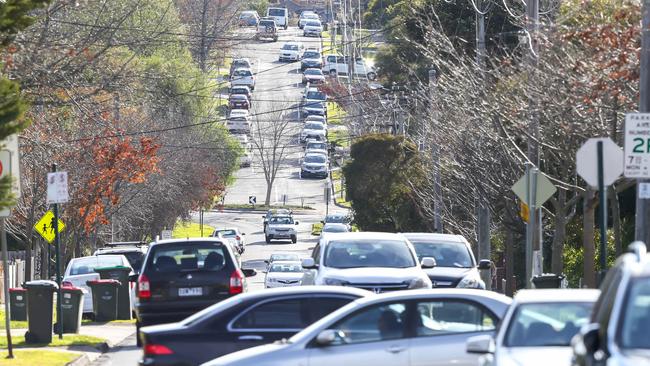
point(644, 191)
point(252, 200)
point(45, 226)
point(11, 145)
point(545, 189)
point(637, 145)
point(587, 161)
point(166, 234)
point(57, 187)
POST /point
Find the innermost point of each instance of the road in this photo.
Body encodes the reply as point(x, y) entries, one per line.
point(278, 87)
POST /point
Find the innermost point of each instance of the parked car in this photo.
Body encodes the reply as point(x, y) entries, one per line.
point(334, 228)
point(231, 233)
point(275, 212)
point(282, 257)
point(537, 329)
point(245, 160)
point(281, 228)
point(424, 327)
point(311, 59)
point(244, 77)
point(238, 101)
point(313, 27)
point(280, 15)
point(248, 18)
point(306, 16)
point(313, 76)
point(315, 118)
point(338, 65)
point(316, 147)
point(81, 270)
point(239, 121)
point(313, 130)
point(378, 262)
point(455, 263)
point(267, 29)
point(617, 331)
point(134, 251)
point(239, 63)
point(339, 218)
point(291, 51)
point(313, 94)
point(283, 274)
point(241, 322)
point(243, 90)
point(314, 165)
point(183, 276)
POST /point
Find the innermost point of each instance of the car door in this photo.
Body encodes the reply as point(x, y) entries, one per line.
point(269, 321)
point(374, 335)
point(441, 327)
point(341, 65)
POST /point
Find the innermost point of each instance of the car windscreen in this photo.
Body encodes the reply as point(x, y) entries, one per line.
point(313, 24)
point(318, 95)
point(446, 254)
point(276, 12)
point(284, 257)
point(311, 54)
point(339, 219)
point(247, 14)
point(227, 233)
point(633, 330)
point(546, 324)
point(315, 159)
point(315, 105)
point(316, 146)
point(311, 16)
point(267, 23)
point(286, 267)
point(83, 266)
point(240, 63)
point(313, 72)
point(314, 126)
point(187, 257)
point(368, 253)
point(290, 47)
point(281, 220)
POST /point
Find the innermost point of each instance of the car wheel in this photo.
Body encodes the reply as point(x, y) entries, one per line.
point(138, 342)
point(333, 73)
point(286, 26)
point(268, 240)
point(294, 240)
point(372, 76)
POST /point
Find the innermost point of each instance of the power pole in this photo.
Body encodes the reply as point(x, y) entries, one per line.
point(435, 155)
point(642, 227)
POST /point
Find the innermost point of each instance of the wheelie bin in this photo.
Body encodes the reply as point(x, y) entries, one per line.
point(548, 280)
point(105, 297)
point(40, 305)
point(120, 273)
point(18, 303)
point(71, 309)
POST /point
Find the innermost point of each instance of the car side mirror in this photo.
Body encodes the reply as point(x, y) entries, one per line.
point(428, 262)
point(480, 344)
point(308, 263)
point(297, 223)
point(243, 233)
point(134, 277)
point(591, 338)
point(327, 337)
point(484, 264)
point(266, 261)
point(249, 272)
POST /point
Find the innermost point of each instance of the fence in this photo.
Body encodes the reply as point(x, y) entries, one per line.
point(16, 275)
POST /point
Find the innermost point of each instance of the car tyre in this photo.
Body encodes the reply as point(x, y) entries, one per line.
point(294, 239)
point(286, 26)
point(138, 342)
point(372, 76)
point(268, 239)
point(333, 73)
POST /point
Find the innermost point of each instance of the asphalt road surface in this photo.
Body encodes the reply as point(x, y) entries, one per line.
point(278, 88)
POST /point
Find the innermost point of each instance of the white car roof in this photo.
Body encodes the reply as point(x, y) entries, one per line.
point(243, 112)
point(556, 295)
point(449, 238)
point(366, 235)
point(292, 43)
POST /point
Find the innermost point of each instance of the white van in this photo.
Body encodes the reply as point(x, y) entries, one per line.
point(338, 65)
point(281, 16)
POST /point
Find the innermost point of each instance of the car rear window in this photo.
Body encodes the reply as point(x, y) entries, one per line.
point(135, 258)
point(316, 95)
point(188, 256)
point(242, 73)
point(83, 266)
point(267, 23)
point(313, 24)
point(277, 12)
point(227, 232)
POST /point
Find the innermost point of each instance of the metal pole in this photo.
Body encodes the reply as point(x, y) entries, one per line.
point(484, 247)
point(201, 221)
point(536, 248)
point(57, 250)
point(5, 268)
point(529, 229)
point(435, 156)
point(642, 229)
point(602, 210)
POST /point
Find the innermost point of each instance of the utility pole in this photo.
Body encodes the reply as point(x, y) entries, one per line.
point(435, 155)
point(57, 251)
point(641, 226)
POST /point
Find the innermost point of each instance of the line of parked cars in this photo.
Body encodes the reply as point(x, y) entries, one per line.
point(240, 102)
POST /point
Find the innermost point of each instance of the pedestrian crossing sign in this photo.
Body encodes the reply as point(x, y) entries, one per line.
point(45, 226)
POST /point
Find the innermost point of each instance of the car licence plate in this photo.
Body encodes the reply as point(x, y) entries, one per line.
point(190, 291)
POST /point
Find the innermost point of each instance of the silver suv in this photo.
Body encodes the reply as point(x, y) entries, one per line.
point(618, 330)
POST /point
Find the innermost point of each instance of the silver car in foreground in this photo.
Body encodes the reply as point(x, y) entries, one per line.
point(423, 327)
point(537, 330)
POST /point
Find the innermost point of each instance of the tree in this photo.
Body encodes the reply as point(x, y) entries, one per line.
point(377, 183)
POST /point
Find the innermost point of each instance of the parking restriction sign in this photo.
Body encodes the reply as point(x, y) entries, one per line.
point(637, 145)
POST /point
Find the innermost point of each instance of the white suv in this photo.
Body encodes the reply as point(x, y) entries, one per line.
point(291, 51)
point(281, 227)
point(338, 65)
point(378, 262)
point(244, 77)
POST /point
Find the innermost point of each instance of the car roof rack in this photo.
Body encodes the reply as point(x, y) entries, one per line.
point(125, 243)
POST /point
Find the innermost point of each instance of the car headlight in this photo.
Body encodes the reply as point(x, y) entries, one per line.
point(471, 281)
point(334, 282)
point(419, 283)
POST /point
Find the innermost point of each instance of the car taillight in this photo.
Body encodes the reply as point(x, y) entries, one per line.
point(144, 291)
point(238, 237)
point(66, 284)
point(236, 282)
point(156, 349)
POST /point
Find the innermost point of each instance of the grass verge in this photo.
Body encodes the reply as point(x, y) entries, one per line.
point(190, 230)
point(335, 113)
point(339, 137)
point(339, 193)
point(68, 340)
point(15, 324)
point(38, 357)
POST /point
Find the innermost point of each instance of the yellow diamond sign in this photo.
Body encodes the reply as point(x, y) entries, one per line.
point(45, 226)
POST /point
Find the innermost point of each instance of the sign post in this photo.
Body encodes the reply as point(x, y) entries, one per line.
point(5, 169)
point(57, 192)
point(252, 200)
point(599, 161)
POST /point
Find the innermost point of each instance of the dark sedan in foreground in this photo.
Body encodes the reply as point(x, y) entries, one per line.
point(241, 322)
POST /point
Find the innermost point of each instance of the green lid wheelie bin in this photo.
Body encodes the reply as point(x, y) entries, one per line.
point(18, 303)
point(71, 309)
point(105, 296)
point(120, 273)
point(40, 306)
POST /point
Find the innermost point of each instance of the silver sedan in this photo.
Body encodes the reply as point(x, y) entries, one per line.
point(416, 327)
